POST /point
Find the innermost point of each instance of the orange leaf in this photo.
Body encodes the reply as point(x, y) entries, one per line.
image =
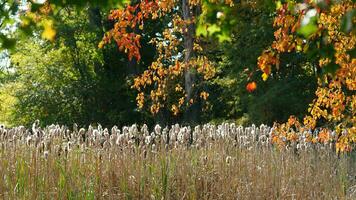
point(250, 87)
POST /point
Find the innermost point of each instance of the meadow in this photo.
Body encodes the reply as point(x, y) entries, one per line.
point(223, 161)
point(84, 77)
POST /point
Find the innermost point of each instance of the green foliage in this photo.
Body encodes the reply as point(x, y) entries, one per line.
point(237, 60)
point(282, 96)
point(8, 9)
point(214, 21)
point(7, 102)
point(12, 10)
point(45, 82)
point(287, 92)
point(309, 29)
point(71, 80)
point(348, 21)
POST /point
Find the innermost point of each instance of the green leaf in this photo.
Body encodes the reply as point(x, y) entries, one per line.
point(224, 37)
point(291, 5)
point(6, 43)
point(201, 30)
point(308, 30)
point(330, 68)
point(213, 29)
point(352, 53)
point(347, 24)
point(35, 7)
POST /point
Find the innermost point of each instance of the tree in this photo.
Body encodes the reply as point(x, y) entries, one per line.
point(71, 80)
point(316, 31)
point(8, 10)
point(180, 62)
point(287, 92)
point(36, 15)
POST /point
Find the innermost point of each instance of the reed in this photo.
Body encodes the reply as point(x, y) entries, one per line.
point(204, 162)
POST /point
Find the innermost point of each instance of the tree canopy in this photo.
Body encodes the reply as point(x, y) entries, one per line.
point(190, 61)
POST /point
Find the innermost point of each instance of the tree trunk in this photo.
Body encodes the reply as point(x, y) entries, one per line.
point(190, 115)
point(95, 19)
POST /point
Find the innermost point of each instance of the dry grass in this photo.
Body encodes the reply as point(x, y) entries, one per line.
point(220, 170)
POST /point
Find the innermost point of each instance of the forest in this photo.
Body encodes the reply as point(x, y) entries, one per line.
point(120, 63)
point(66, 78)
point(198, 77)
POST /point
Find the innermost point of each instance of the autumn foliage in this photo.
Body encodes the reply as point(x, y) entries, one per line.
point(308, 28)
point(161, 85)
point(129, 19)
point(251, 86)
point(300, 27)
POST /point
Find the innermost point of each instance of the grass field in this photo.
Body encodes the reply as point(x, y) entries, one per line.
point(55, 163)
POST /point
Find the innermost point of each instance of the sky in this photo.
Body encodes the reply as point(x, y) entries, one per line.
point(8, 29)
point(5, 62)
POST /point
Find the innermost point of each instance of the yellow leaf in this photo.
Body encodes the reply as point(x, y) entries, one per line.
point(101, 45)
point(264, 76)
point(278, 5)
point(49, 32)
point(299, 48)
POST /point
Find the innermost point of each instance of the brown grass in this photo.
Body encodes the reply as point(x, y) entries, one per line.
point(221, 171)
